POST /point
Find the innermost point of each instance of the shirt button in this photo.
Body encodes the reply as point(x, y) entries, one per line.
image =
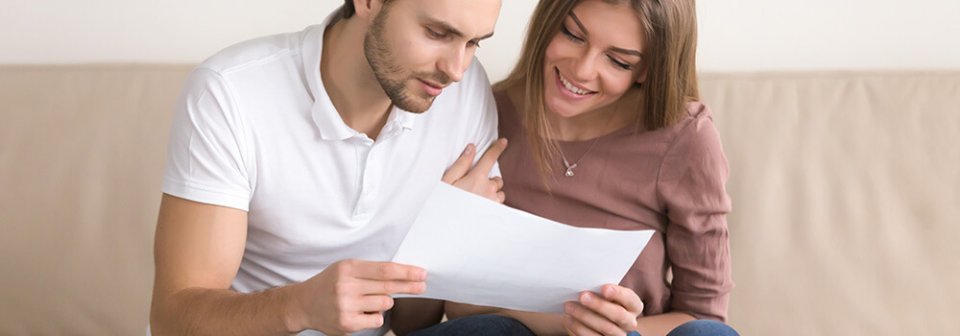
point(363, 211)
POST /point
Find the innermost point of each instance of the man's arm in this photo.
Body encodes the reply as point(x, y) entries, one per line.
point(197, 252)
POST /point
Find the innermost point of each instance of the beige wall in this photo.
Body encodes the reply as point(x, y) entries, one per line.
point(735, 34)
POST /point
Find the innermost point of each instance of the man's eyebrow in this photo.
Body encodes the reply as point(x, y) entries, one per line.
point(450, 29)
point(615, 49)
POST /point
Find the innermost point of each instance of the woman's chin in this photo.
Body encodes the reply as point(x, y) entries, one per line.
point(561, 110)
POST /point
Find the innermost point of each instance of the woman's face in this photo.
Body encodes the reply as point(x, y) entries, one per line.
point(594, 59)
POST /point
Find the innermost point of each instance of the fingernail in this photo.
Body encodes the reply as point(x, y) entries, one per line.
point(586, 297)
point(469, 149)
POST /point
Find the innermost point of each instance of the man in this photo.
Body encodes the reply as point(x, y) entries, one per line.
point(297, 163)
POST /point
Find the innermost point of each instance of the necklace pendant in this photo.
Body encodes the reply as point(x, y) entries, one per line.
point(569, 166)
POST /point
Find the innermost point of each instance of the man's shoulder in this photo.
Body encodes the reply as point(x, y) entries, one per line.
point(476, 76)
point(474, 85)
point(257, 51)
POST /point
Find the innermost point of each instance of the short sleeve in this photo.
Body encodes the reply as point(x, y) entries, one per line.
point(207, 151)
point(691, 185)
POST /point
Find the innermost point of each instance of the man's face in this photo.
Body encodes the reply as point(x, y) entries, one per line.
point(418, 47)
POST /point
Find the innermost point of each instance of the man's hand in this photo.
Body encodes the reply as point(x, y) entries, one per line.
point(477, 180)
point(613, 312)
point(351, 295)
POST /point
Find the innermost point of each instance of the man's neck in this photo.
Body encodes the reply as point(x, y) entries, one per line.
point(349, 80)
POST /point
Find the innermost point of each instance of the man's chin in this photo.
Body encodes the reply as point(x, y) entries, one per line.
point(415, 105)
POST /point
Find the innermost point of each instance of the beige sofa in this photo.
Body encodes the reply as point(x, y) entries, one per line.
point(846, 190)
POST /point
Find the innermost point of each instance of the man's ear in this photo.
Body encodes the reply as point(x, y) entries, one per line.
point(367, 9)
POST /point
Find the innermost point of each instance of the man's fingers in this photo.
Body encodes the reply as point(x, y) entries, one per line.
point(390, 287)
point(383, 271)
point(490, 157)
point(364, 321)
point(461, 166)
point(373, 303)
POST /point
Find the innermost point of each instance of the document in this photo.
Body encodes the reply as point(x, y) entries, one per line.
point(480, 252)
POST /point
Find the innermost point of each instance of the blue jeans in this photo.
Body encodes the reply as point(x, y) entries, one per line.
point(482, 325)
point(703, 328)
point(477, 325)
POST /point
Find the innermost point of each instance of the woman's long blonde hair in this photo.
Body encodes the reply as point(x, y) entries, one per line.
point(670, 27)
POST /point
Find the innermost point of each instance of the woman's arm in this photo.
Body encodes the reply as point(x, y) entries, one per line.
point(659, 325)
point(692, 188)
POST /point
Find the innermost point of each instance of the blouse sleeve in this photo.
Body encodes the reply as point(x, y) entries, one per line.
point(691, 186)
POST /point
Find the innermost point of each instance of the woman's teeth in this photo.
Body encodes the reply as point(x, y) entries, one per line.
point(570, 87)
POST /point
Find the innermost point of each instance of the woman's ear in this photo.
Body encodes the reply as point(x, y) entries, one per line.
point(641, 76)
point(640, 79)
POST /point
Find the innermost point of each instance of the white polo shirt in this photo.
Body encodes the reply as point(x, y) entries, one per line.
point(254, 129)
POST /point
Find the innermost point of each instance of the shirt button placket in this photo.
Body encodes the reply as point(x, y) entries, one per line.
point(369, 185)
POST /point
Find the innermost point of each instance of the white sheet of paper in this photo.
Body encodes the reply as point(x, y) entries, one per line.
point(479, 252)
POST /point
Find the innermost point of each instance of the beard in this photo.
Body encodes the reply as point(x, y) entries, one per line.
point(393, 77)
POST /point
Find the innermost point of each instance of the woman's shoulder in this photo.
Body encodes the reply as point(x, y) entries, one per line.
point(695, 116)
point(506, 109)
point(508, 116)
point(505, 100)
point(696, 136)
point(698, 110)
point(698, 115)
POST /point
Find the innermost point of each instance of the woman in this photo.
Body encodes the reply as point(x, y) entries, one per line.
point(606, 130)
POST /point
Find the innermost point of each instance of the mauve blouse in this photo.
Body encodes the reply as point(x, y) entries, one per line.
point(669, 180)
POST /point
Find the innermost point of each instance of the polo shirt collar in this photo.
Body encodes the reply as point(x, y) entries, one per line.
point(328, 122)
point(325, 116)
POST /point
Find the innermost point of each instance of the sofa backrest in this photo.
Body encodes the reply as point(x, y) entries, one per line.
point(82, 151)
point(846, 191)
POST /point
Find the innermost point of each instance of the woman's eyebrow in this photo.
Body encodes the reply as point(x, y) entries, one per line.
point(615, 49)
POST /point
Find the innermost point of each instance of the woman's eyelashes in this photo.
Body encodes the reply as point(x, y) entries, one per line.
point(570, 34)
point(573, 37)
point(620, 64)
